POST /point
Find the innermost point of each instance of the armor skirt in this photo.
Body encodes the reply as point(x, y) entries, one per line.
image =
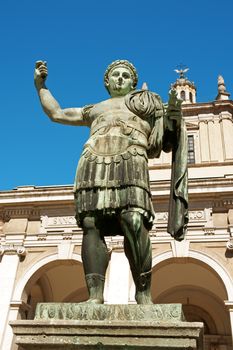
point(108, 185)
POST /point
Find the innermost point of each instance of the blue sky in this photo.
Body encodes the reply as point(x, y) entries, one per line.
point(79, 39)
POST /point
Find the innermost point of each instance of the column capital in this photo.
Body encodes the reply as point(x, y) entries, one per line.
point(229, 244)
point(205, 118)
point(225, 116)
point(19, 304)
point(11, 249)
point(229, 305)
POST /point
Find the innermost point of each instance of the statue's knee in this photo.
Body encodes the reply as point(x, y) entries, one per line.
point(133, 220)
point(89, 223)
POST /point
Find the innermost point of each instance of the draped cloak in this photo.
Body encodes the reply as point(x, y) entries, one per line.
point(112, 175)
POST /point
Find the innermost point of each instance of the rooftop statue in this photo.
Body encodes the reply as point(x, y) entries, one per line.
point(112, 191)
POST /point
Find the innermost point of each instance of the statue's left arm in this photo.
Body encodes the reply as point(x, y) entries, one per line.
point(172, 121)
point(175, 140)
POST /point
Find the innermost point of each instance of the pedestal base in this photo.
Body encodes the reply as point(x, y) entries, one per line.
point(133, 331)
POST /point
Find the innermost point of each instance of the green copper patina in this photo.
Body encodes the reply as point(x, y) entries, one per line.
point(112, 192)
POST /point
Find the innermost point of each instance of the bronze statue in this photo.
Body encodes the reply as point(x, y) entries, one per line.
point(112, 192)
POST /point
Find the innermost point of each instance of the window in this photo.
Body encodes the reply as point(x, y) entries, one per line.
point(191, 150)
point(182, 95)
point(191, 97)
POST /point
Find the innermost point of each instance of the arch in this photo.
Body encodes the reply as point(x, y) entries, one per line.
point(193, 308)
point(212, 264)
point(46, 287)
point(196, 312)
point(205, 303)
point(33, 269)
point(72, 296)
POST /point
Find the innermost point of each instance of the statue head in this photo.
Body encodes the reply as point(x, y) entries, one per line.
point(120, 78)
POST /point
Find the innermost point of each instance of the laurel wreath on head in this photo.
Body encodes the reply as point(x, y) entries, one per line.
point(121, 63)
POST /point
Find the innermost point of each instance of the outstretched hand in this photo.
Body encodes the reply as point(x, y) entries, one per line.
point(41, 73)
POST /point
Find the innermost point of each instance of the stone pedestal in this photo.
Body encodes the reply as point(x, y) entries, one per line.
point(110, 327)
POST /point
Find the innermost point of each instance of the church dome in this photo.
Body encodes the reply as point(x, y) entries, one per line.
point(186, 90)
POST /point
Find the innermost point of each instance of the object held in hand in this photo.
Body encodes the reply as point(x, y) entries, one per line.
point(42, 67)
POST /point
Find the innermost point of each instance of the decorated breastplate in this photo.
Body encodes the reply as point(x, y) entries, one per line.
point(117, 136)
point(124, 132)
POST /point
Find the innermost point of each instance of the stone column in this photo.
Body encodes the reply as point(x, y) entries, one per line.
point(8, 269)
point(229, 305)
point(194, 96)
point(226, 123)
point(15, 311)
point(117, 282)
point(204, 138)
point(11, 252)
point(215, 142)
point(230, 228)
point(166, 158)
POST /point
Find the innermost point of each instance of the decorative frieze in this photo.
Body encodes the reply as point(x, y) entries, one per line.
point(42, 237)
point(67, 236)
point(66, 225)
point(10, 213)
point(70, 220)
point(223, 204)
point(59, 224)
point(59, 221)
point(195, 215)
point(209, 231)
point(228, 202)
point(110, 313)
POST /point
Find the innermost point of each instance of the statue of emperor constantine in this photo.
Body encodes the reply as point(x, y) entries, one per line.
point(112, 191)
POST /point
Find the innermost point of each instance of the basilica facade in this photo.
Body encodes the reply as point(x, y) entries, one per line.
point(40, 251)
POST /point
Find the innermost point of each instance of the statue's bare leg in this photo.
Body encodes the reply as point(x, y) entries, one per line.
point(137, 247)
point(95, 258)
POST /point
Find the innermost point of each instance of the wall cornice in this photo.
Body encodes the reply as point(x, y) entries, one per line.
point(31, 205)
point(37, 194)
point(214, 107)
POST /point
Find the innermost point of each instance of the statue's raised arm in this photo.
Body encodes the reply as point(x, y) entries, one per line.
point(71, 116)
